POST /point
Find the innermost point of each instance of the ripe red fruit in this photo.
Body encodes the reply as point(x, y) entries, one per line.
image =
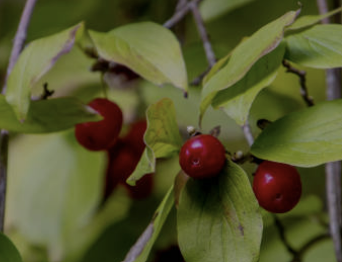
point(202, 156)
point(277, 186)
point(102, 134)
point(135, 136)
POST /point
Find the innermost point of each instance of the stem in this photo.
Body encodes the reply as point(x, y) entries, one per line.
point(180, 13)
point(333, 169)
point(246, 128)
point(18, 45)
point(302, 80)
point(281, 231)
point(204, 35)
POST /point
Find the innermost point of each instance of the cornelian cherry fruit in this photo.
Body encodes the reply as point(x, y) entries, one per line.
point(102, 134)
point(277, 186)
point(202, 156)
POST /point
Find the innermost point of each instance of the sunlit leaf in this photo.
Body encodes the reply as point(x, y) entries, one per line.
point(54, 191)
point(35, 61)
point(162, 137)
point(309, 20)
point(245, 55)
point(237, 100)
point(317, 47)
point(148, 49)
point(306, 138)
point(47, 116)
point(8, 251)
point(219, 219)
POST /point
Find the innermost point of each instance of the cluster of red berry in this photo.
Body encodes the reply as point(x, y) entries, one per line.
point(276, 186)
point(123, 152)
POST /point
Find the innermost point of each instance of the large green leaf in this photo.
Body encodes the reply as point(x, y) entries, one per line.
point(309, 20)
point(148, 49)
point(151, 233)
point(35, 61)
point(237, 100)
point(47, 116)
point(55, 189)
point(317, 47)
point(219, 219)
point(306, 138)
point(8, 252)
point(245, 56)
point(211, 9)
point(162, 137)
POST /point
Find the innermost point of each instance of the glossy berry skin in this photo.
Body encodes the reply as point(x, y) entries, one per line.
point(102, 134)
point(202, 156)
point(277, 186)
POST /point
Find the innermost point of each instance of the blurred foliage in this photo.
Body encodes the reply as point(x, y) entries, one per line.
point(110, 233)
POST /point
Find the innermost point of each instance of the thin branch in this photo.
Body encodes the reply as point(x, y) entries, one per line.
point(246, 128)
point(18, 44)
point(204, 35)
point(179, 15)
point(302, 80)
point(333, 169)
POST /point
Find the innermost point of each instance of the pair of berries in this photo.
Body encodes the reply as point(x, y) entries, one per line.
point(123, 153)
point(276, 186)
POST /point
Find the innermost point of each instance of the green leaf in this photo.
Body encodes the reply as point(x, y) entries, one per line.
point(317, 47)
point(155, 226)
point(54, 191)
point(219, 219)
point(309, 20)
point(237, 100)
point(162, 137)
point(245, 56)
point(306, 138)
point(211, 9)
point(147, 48)
point(47, 115)
point(35, 61)
point(8, 251)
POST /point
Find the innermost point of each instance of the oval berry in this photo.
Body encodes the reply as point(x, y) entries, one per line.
point(277, 186)
point(102, 134)
point(202, 156)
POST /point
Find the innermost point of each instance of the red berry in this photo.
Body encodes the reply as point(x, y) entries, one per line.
point(202, 156)
point(102, 134)
point(277, 186)
point(135, 136)
point(143, 187)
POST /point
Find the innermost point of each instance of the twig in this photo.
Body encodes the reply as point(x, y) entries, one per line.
point(204, 35)
point(139, 246)
point(302, 80)
point(180, 14)
point(18, 44)
point(333, 169)
point(197, 81)
point(246, 128)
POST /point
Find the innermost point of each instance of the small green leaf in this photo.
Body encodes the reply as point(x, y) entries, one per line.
point(155, 226)
point(162, 137)
point(219, 219)
point(211, 9)
point(8, 251)
point(309, 20)
point(245, 55)
point(55, 189)
point(236, 100)
point(317, 47)
point(47, 116)
point(148, 49)
point(306, 138)
point(35, 61)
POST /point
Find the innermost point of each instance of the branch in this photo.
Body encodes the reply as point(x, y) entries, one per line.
point(18, 45)
point(180, 13)
point(302, 80)
point(204, 35)
point(333, 169)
